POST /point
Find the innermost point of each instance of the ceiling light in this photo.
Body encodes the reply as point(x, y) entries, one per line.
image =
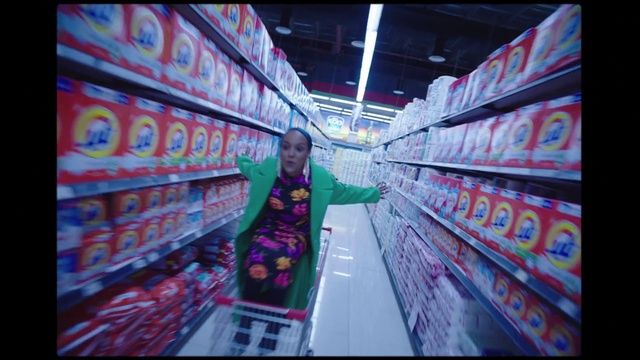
point(329, 106)
point(399, 86)
point(349, 82)
point(343, 101)
point(380, 108)
point(302, 73)
point(375, 119)
point(333, 111)
point(437, 55)
point(321, 97)
point(377, 115)
point(375, 12)
point(283, 30)
point(357, 43)
point(284, 27)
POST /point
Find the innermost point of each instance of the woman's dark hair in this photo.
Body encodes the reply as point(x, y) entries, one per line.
point(305, 134)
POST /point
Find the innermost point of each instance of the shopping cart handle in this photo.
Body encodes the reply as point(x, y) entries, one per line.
point(327, 228)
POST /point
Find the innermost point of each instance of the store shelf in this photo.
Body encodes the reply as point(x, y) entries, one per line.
point(539, 173)
point(561, 83)
point(519, 340)
point(200, 21)
point(121, 271)
point(552, 296)
point(351, 145)
point(320, 146)
point(100, 71)
point(203, 313)
point(71, 191)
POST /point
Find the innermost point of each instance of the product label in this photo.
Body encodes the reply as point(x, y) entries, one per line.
point(553, 137)
point(144, 136)
point(527, 230)
point(176, 140)
point(147, 33)
point(97, 132)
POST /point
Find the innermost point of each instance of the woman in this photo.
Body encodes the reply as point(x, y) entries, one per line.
point(279, 237)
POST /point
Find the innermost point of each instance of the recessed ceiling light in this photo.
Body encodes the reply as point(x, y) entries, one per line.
point(283, 30)
point(349, 82)
point(398, 92)
point(302, 73)
point(358, 43)
point(436, 58)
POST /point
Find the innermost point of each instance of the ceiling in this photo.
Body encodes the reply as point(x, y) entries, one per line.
point(320, 43)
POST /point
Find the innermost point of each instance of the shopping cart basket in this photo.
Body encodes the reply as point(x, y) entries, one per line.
point(246, 328)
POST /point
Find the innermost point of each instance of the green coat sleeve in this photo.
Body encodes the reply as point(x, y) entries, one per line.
point(348, 194)
point(246, 166)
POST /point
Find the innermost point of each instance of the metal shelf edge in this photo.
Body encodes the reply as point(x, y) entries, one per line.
point(545, 173)
point(71, 191)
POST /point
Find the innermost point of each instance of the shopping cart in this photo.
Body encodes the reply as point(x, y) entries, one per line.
point(245, 328)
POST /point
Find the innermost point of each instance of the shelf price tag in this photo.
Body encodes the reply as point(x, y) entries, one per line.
point(175, 246)
point(153, 257)
point(568, 307)
point(521, 275)
point(413, 318)
point(64, 192)
point(173, 178)
point(92, 288)
point(139, 264)
point(184, 330)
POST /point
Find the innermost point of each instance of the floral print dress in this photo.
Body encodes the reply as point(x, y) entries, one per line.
point(283, 234)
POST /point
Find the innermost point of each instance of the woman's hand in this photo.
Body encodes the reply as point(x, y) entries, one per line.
point(383, 188)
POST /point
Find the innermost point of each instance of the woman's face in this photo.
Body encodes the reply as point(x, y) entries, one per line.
point(294, 152)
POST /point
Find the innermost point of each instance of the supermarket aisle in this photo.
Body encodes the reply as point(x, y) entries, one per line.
point(356, 311)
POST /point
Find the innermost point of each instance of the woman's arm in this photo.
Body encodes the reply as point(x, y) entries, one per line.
point(349, 194)
point(246, 166)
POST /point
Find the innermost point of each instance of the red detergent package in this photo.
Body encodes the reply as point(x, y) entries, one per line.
point(514, 71)
point(96, 29)
point(143, 134)
point(523, 135)
point(148, 39)
point(181, 69)
point(217, 141)
point(204, 86)
point(176, 141)
point(199, 147)
point(91, 141)
point(235, 87)
point(495, 71)
point(232, 132)
point(553, 139)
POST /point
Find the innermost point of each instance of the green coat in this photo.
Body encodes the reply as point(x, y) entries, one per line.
point(325, 190)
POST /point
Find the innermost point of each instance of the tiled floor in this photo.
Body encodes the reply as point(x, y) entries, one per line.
point(356, 311)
